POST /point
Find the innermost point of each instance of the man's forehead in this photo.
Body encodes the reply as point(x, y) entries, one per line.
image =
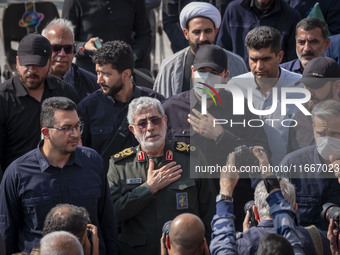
point(328, 122)
point(148, 111)
point(200, 19)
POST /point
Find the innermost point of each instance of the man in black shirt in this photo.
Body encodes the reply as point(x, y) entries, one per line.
point(104, 111)
point(21, 97)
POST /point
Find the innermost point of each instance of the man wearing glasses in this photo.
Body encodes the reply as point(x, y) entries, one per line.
point(58, 171)
point(21, 97)
point(150, 184)
point(61, 36)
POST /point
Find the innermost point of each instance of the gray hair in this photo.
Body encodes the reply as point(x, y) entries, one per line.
point(260, 195)
point(60, 243)
point(141, 103)
point(61, 23)
point(264, 37)
point(312, 23)
point(326, 110)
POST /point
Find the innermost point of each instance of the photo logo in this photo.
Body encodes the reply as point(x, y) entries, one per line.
point(209, 93)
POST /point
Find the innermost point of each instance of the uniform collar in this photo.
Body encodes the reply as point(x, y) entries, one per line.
point(168, 155)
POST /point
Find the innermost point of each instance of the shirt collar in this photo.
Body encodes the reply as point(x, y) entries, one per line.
point(20, 90)
point(44, 164)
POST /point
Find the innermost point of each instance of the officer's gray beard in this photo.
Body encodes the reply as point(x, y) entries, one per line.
point(151, 145)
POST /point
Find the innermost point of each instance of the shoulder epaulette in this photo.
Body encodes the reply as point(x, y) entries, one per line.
point(124, 154)
point(183, 147)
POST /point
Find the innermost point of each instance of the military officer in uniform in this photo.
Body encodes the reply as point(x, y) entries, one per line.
point(150, 184)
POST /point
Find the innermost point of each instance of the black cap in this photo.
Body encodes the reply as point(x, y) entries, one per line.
point(211, 56)
point(34, 49)
point(319, 71)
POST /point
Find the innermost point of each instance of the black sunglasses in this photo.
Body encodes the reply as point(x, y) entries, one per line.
point(144, 123)
point(68, 49)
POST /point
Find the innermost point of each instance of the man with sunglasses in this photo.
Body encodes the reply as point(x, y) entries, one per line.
point(21, 97)
point(57, 171)
point(150, 184)
point(61, 36)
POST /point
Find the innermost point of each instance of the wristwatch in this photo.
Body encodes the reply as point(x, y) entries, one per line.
point(221, 197)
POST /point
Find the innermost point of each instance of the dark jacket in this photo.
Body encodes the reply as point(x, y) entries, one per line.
point(241, 16)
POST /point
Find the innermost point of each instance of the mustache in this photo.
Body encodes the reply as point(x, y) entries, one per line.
point(202, 42)
point(32, 76)
point(307, 53)
point(103, 85)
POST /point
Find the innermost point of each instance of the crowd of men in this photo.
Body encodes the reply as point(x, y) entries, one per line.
point(95, 164)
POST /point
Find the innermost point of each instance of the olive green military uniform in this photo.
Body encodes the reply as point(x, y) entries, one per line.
point(142, 215)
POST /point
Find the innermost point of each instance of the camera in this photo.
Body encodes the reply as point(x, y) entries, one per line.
point(249, 207)
point(244, 157)
point(331, 211)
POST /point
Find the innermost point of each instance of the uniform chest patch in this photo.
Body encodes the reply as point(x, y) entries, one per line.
point(182, 200)
point(134, 181)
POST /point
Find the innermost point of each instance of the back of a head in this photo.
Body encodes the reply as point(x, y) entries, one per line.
point(261, 194)
point(186, 233)
point(60, 243)
point(66, 217)
point(274, 244)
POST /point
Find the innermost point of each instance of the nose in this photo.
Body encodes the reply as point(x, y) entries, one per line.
point(259, 65)
point(62, 52)
point(99, 78)
point(203, 36)
point(307, 46)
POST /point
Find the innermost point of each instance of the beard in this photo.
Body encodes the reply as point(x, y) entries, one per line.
point(314, 101)
point(114, 89)
point(264, 7)
point(151, 145)
point(195, 46)
point(31, 85)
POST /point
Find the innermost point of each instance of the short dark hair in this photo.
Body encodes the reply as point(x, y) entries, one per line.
point(117, 53)
point(274, 244)
point(264, 37)
point(74, 220)
point(50, 105)
point(312, 23)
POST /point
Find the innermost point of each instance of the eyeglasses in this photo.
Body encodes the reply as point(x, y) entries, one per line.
point(68, 130)
point(144, 123)
point(68, 49)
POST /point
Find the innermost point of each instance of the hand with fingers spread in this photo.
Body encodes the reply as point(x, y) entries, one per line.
point(333, 235)
point(204, 125)
point(160, 178)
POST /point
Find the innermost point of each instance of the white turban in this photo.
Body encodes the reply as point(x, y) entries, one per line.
point(201, 9)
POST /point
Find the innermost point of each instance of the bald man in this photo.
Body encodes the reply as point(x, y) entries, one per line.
point(60, 242)
point(186, 236)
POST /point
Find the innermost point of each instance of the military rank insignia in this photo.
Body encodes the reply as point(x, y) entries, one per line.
point(182, 200)
point(123, 154)
point(141, 156)
point(183, 147)
point(169, 156)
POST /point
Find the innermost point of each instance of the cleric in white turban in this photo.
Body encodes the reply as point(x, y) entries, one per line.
point(199, 9)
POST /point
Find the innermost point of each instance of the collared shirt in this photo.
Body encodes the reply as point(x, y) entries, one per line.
point(102, 116)
point(20, 116)
point(83, 81)
point(313, 188)
point(32, 186)
point(293, 66)
point(276, 132)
